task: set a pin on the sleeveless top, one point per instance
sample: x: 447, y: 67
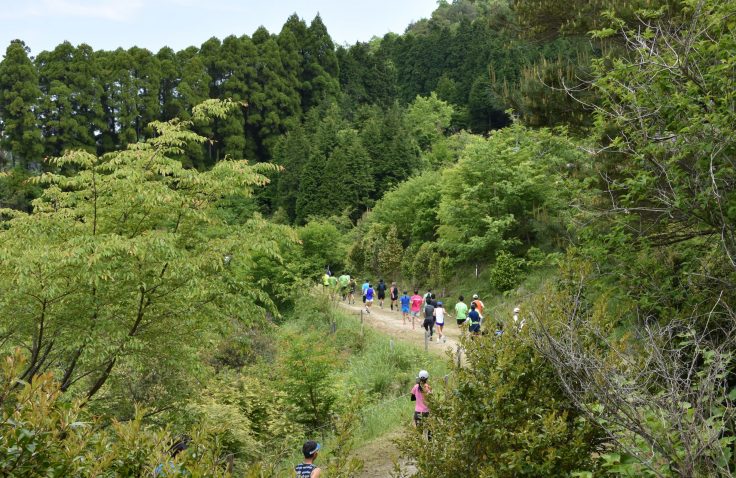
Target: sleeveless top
x: 304, y: 470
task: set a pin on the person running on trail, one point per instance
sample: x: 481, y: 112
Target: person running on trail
x: 364, y: 287
x: 479, y: 306
x: 418, y: 393
x: 381, y: 289
x: 428, y: 323
x: 307, y: 469
x: 344, y: 281
x: 439, y: 315
x: 405, y: 302
x: 326, y: 280
x: 461, y: 311
x: 352, y: 287
x: 416, y: 306
x: 333, y: 287
x: 428, y: 296
x: 393, y: 292
x: 474, y: 318
x: 369, y: 293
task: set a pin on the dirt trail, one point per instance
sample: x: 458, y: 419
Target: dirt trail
x: 390, y: 323
x: 380, y: 454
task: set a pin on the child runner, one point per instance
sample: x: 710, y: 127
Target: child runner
x: 474, y: 318
x: 381, y: 292
x: 428, y: 323
x: 439, y: 315
x: 420, y: 390
x: 461, y: 311
x: 405, y: 301
x: 369, y: 293
x: 308, y: 469
x: 416, y: 306
x: 394, y: 294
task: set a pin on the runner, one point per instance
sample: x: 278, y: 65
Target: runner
x: 381, y: 289
x: 428, y: 295
x: 333, y: 287
x: 405, y: 301
x: 479, y: 306
x: 416, y: 306
x: 439, y: 315
x: 394, y: 294
x: 461, y: 311
x: 474, y: 318
x: 307, y: 469
x: 352, y: 287
x: 364, y: 287
x: 344, y: 281
x: 422, y: 388
x: 326, y: 280
x: 428, y: 323
x: 369, y: 293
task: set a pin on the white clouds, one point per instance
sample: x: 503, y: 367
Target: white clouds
x: 112, y: 10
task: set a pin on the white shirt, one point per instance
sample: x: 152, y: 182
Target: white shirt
x: 439, y: 314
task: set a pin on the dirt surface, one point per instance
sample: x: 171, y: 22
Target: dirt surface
x: 380, y: 455
x: 390, y: 323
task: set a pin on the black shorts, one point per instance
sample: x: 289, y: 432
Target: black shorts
x: 419, y: 416
x: 460, y: 321
x: 381, y: 295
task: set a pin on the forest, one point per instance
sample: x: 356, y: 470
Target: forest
x: 166, y: 220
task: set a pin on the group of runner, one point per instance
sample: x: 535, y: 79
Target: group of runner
x: 426, y: 307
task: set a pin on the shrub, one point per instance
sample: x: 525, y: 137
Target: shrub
x: 506, y: 272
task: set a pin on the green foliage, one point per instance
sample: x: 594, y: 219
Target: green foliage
x: 16, y: 191
x: 502, y: 415
x: 323, y: 244
x: 19, y: 92
x: 428, y: 118
x: 390, y: 254
x: 129, y: 249
x: 494, y: 197
x: 46, y: 436
x: 506, y: 271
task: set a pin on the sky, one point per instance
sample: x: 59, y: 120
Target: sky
x: 152, y: 24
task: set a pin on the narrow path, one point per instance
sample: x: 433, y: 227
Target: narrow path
x: 390, y: 323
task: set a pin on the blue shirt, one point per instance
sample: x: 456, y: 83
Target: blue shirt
x: 405, y: 300
x: 474, y: 317
x: 369, y: 294
x: 365, y: 288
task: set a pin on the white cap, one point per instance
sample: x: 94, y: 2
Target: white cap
x: 475, y: 296
x: 423, y: 374
x: 516, y: 310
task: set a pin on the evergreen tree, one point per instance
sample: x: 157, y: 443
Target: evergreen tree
x: 320, y: 72
x: 347, y: 184
x: 292, y: 154
x: 71, y: 105
x: 19, y: 95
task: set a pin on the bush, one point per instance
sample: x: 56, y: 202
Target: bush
x: 506, y: 272
x: 502, y: 415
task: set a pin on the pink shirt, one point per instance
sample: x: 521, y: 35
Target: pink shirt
x: 421, y: 406
x: 416, y: 303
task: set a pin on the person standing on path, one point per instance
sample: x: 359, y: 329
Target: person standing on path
x: 428, y: 323
x: 307, y: 469
x: 418, y: 394
x: 405, y: 303
x: 369, y: 293
x: 381, y: 289
x: 394, y: 295
x: 439, y: 315
x: 474, y: 318
x: 461, y: 311
x: 416, y: 306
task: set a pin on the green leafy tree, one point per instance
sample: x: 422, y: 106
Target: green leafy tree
x: 121, y: 265
x: 428, y: 119
x: 390, y: 254
x: 19, y: 97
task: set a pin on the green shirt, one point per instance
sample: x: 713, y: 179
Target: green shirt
x: 461, y: 311
x: 332, y: 281
x: 344, y: 280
